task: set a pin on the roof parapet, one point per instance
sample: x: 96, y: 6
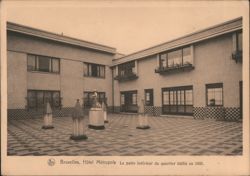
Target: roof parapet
x: 57, y: 37
x: 204, y: 34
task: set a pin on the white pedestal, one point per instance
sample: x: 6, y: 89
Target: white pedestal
x: 143, y: 122
x: 47, y: 121
x: 78, y: 130
x: 105, y: 117
x: 96, y: 119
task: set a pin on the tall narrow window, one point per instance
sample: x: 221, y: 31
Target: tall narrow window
x: 149, y: 97
x: 214, y: 94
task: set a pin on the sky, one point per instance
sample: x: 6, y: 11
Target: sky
x: 128, y: 26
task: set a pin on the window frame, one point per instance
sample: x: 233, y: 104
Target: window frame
x: 213, y: 86
x: 151, y: 97
x: 50, y: 69
x: 174, y: 92
x: 44, y: 92
x: 167, y: 57
x: 126, y: 68
x: 89, y: 71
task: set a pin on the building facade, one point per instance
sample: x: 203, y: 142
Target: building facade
x: 197, y: 75
x: 43, y: 66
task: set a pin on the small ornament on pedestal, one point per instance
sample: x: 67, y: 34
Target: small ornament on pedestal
x: 47, y: 119
x: 78, y: 124
x: 143, y: 118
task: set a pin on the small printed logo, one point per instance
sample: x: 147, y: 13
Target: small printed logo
x: 51, y: 162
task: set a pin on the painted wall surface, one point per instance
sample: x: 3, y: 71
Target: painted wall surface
x: 16, y: 80
x: 213, y: 64
x: 70, y: 81
x: 100, y: 84
x: 34, y: 45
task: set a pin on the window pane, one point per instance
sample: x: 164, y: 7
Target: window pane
x: 239, y: 41
x: 174, y: 58
x: 48, y: 97
x: 187, y: 56
x: 31, y: 99
x: 55, y: 65
x: 40, y: 103
x: 189, y: 97
x: 31, y: 63
x: 214, y: 96
x: 89, y: 70
x: 102, y: 70
x: 166, y: 98
x: 182, y: 97
x: 94, y: 70
x: 172, y: 97
x: 122, y: 99
x: 134, y: 96
x: 44, y: 63
x: 56, y: 99
x: 163, y: 60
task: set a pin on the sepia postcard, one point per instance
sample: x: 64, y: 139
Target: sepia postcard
x: 124, y: 87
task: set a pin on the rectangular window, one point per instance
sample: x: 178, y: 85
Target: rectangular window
x: 88, y: 98
x: 43, y: 63
x: 214, y: 94
x: 177, y: 100
x: 38, y: 99
x: 94, y: 70
x: 149, y: 97
x: 126, y: 68
x: 176, y: 58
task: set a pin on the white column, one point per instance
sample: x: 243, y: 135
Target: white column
x: 136, y: 67
x: 157, y: 60
x: 192, y: 54
x: 234, y: 42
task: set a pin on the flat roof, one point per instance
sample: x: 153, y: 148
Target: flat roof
x: 204, y: 34
x: 57, y: 37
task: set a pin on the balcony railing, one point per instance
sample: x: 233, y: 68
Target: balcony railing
x: 237, y: 56
x: 126, y: 77
x: 174, y: 68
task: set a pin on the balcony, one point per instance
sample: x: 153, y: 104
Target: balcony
x: 126, y: 77
x: 175, y: 68
x: 237, y: 56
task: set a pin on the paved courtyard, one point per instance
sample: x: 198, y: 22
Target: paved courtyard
x: 167, y: 136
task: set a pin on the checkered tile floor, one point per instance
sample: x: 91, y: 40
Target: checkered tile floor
x: 167, y: 136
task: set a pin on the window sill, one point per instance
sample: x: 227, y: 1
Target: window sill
x: 179, y: 68
x: 93, y: 77
x: 126, y: 77
x: 43, y: 72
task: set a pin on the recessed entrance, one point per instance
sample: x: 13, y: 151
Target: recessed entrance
x: 129, y: 101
